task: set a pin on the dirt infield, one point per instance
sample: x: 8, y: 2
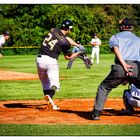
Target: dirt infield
x: 11, y: 75
x: 73, y: 111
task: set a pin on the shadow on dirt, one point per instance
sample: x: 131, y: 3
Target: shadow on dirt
x: 106, y: 112
x: 120, y: 113
x: 83, y: 114
x: 24, y: 105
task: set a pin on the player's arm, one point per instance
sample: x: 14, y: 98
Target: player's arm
x: 72, y: 55
x: 72, y: 42
x: 126, y: 67
x: 96, y: 43
x: 93, y: 43
x: 99, y: 42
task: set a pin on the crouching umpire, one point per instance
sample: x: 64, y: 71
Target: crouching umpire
x: 126, y: 46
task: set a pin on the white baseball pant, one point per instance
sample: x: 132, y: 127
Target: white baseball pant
x: 48, y: 71
x: 95, y: 51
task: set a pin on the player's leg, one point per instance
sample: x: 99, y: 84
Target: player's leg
x: 1, y: 55
x: 115, y: 78
x: 1, y: 52
x: 70, y: 63
x: 53, y: 76
x: 46, y: 86
x: 43, y: 64
x: 92, y: 55
x: 97, y: 55
x: 86, y: 60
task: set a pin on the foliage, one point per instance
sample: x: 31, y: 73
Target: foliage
x: 104, y: 49
x: 28, y: 23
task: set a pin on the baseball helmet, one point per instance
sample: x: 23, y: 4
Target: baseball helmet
x: 6, y: 33
x: 125, y: 24
x: 66, y: 25
x: 78, y: 42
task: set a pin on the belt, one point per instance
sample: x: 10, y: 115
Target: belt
x: 39, y: 55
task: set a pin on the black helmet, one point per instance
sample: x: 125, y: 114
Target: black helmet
x: 66, y: 25
x: 125, y: 24
x: 6, y: 33
x: 78, y: 42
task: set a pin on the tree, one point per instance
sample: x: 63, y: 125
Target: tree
x: 29, y: 23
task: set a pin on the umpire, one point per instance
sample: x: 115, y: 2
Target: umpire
x: 126, y: 46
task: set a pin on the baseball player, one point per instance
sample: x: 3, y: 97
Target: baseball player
x: 126, y: 46
x: 82, y: 56
x: 95, y: 42
x: 5, y: 36
x: 47, y: 60
x: 131, y: 99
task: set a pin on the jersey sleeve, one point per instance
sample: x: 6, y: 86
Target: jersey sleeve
x: 66, y: 51
x: 113, y: 42
x: 66, y: 48
x: 99, y: 41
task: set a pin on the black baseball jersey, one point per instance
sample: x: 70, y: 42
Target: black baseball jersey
x: 55, y: 43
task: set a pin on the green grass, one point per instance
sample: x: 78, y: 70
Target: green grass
x: 16, y: 90
x: 69, y: 130
x: 77, y: 82
x: 19, y: 63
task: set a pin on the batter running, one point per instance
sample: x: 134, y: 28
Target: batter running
x: 47, y: 60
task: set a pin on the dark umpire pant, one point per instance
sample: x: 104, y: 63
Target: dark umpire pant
x: 83, y: 57
x: 116, y: 77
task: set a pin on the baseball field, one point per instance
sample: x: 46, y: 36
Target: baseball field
x: 24, y: 112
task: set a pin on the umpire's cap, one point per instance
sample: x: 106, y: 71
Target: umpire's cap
x: 125, y: 24
x: 66, y: 25
x: 6, y: 33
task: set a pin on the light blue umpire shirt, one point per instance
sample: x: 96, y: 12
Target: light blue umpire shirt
x: 128, y: 44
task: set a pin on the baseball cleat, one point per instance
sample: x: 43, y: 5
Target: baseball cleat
x: 94, y: 117
x: 50, y: 103
x: 95, y: 114
x: 55, y: 107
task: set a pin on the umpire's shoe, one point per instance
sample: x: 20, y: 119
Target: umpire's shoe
x: 95, y: 114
